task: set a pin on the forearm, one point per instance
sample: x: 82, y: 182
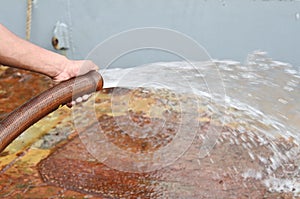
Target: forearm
x: 19, y: 53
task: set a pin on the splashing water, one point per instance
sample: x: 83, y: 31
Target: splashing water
x: 261, y: 108
x: 261, y: 87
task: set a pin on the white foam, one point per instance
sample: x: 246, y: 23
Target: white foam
x: 282, y: 185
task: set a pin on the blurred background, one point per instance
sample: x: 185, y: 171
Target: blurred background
x: 227, y: 29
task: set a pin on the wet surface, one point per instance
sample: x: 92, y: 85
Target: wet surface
x: 156, y: 137
x: 72, y: 167
x: 252, y: 156
x: 241, y: 164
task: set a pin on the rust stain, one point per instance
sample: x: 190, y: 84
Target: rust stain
x: 158, y: 133
x: 18, y: 86
x: 72, y: 167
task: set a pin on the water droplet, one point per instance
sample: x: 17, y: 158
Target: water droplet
x: 287, y: 88
x: 283, y: 101
x: 251, y: 155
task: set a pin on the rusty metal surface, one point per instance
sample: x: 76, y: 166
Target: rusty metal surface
x: 239, y: 166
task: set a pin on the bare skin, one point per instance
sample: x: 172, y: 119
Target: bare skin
x: 19, y: 53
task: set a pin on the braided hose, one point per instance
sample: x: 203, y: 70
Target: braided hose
x: 38, y: 107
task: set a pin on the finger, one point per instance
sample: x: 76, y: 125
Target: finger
x: 79, y: 100
x: 92, y: 65
x: 87, y: 67
x: 86, y: 97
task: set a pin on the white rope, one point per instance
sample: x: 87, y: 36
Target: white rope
x: 69, y: 18
x: 28, y: 19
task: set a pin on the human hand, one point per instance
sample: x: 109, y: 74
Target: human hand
x: 73, y: 68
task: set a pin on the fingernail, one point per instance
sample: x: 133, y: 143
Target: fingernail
x: 79, y: 99
x: 85, y: 97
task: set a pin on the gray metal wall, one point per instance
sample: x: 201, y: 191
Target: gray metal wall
x: 227, y: 29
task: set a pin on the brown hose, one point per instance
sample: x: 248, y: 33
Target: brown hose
x: 38, y: 107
